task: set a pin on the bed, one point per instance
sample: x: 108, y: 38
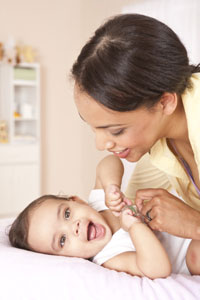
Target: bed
x: 27, y: 275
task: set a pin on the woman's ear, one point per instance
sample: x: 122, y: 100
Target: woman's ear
x: 168, y: 102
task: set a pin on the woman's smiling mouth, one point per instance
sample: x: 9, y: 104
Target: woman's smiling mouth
x: 122, y: 154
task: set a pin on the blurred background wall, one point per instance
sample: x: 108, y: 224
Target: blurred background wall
x: 57, y: 29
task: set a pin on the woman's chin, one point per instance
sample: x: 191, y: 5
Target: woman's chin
x: 134, y: 157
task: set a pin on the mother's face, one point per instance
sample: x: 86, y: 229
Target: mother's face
x: 129, y: 134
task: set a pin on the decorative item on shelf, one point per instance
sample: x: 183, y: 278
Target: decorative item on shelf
x: 28, y: 54
x: 9, y: 55
x: 19, y: 53
x: 3, y: 132
x: 25, y: 53
x: 15, y: 53
x: 16, y: 115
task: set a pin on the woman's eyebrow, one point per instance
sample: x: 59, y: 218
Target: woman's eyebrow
x: 104, y: 126
x: 109, y: 126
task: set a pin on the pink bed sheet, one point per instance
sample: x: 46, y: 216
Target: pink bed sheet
x: 25, y: 275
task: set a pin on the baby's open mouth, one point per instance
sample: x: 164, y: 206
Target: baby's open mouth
x: 94, y: 231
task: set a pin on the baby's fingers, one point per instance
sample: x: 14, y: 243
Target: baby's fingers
x: 113, y: 196
x: 127, y: 211
x: 127, y: 201
x: 117, y: 208
x: 114, y: 202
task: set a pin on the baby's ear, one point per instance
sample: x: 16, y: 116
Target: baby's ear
x: 77, y: 199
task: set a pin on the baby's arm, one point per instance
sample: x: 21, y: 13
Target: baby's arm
x: 149, y: 259
x: 109, y: 174
x: 109, y: 171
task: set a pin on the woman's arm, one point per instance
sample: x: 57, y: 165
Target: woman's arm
x: 150, y: 258
x: 168, y: 213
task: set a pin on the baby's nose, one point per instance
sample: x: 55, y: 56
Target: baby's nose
x: 76, y: 228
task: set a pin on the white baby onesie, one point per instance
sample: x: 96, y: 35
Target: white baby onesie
x: 120, y: 242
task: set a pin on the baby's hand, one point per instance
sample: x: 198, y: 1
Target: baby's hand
x: 127, y: 219
x: 115, y: 199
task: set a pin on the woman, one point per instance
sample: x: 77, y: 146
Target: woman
x: 136, y: 89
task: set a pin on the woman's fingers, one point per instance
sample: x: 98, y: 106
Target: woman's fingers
x: 150, y: 206
x: 168, y: 212
x: 143, y: 197
x: 149, y: 193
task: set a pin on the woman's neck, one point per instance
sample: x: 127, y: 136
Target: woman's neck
x: 177, y: 125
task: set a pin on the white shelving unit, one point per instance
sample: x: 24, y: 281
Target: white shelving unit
x: 20, y: 150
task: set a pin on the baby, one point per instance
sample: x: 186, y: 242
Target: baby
x: 69, y: 226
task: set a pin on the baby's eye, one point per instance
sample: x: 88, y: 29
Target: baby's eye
x: 67, y: 214
x: 62, y: 241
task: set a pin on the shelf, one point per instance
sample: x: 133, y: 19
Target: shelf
x: 20, y: 82
x: 24, y: 119
x: 20, y: 116
x: 20, y: 86
x: 24, y: 139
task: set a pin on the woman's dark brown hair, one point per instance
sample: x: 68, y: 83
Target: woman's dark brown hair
x: 18, y: 233
x: 131, y: 61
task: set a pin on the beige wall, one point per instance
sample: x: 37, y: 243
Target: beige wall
x: 57, y: 29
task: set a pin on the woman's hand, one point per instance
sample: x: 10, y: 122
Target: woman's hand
x: 115, y: 199
x: 168, y: 213
x: 127, y: 219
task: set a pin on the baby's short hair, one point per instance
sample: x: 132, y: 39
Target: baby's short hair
x: 18, y: 233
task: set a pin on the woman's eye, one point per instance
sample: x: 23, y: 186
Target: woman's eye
x: 118, y: 132
x: 62, y: 241
x: 67, y: 214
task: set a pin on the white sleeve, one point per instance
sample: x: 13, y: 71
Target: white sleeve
x: 119, y: 243
x: 97, y: 200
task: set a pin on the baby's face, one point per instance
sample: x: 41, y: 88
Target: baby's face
x: 68, y: 228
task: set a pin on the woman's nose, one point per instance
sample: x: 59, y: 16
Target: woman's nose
x: 103, y: 143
